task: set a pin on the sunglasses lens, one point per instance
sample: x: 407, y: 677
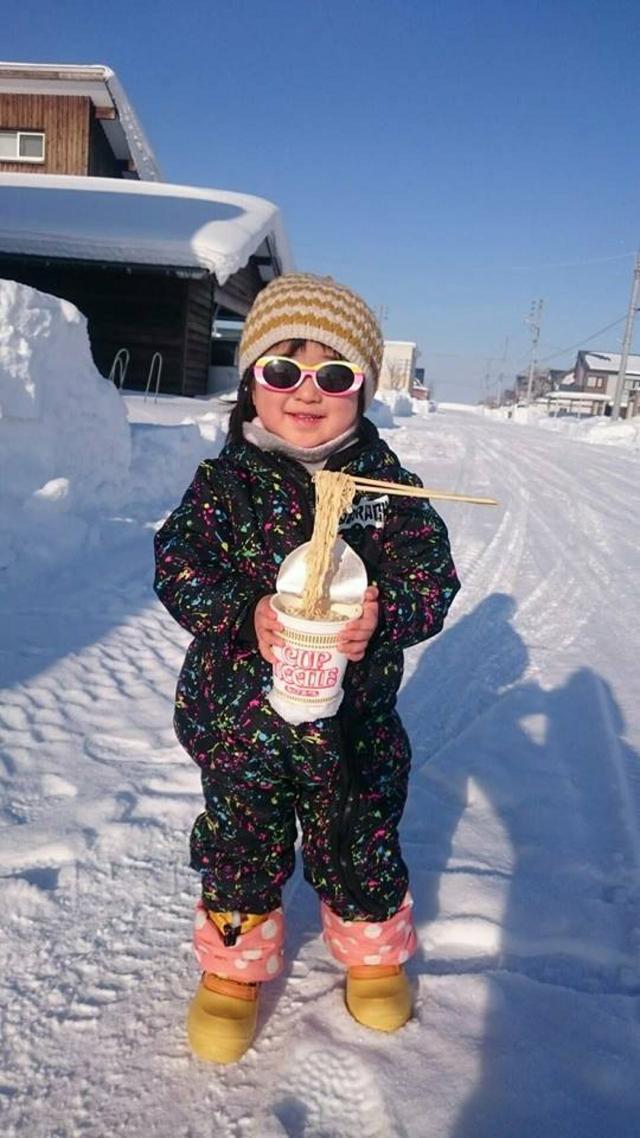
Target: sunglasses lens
x: 282, y: 374
x: 335, y: 378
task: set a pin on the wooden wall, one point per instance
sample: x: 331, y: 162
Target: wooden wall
x: 140, y: 310
x: 65, y: 121
x: 198, y: 319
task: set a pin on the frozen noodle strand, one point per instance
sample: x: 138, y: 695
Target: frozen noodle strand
x: 334, y: 495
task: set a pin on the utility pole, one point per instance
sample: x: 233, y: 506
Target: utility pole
x: 501, y: 376
x: 626, y: 341
x: 486, y: 380
x: 534, y: 320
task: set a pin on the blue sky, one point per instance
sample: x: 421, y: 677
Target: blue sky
x: 450, y: 160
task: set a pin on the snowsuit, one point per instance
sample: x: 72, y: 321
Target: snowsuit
x: 345, y: 777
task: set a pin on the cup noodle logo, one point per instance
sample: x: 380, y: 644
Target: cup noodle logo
x: 306, y: 672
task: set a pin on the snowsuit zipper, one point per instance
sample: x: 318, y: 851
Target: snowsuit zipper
x: 348, y: 799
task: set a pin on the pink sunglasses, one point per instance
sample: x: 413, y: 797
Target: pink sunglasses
x: 331, y: 377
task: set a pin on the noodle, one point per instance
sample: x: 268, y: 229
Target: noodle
x: 334, y: 494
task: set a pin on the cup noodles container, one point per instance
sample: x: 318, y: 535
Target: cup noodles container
x: 307, y: 678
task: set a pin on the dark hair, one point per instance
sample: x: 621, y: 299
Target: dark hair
x: 244, y: 410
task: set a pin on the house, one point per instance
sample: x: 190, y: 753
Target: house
x: 151, y: 265
x: 69, y: 119
x: 398, y: 365
x: 164, y: 273
x: 544, y: 380
x: 597, y: 372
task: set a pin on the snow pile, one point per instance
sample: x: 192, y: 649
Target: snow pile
x: 423, y: 407
x: 165, y: 458
x: 399, y: 403
x: 596, y: 429
x: 69, y: 458
x: 380, y: 413
x: 64, y: 439
x: 469, y: 408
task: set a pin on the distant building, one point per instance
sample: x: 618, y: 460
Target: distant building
x: 544, y: 380
x: 597, y: 372
x: 69, y: 119
x: 589, y: 389
x: 398, y: 365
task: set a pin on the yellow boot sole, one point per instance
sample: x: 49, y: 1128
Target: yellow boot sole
x: 379, y: 997
x: 221, y: 1023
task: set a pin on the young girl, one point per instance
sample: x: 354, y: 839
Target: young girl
x: 309, y: 359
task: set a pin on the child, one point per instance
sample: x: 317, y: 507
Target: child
x: 309, y: 359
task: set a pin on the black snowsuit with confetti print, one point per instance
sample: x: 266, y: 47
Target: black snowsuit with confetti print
x: 344, y: 777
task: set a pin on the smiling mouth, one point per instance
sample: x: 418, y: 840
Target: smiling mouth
x: 305, y: 416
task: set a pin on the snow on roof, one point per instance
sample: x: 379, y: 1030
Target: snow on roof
x: 575, y: 396
x: 610, y: 362
x: 121, y: 221
x: 96, y: 82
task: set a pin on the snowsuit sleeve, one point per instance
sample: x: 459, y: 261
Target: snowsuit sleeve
x: 416, y: 575
x: 195, y: 577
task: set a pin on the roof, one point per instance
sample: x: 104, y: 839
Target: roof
x: 98, y: 83
x: 610, y: 362
x: 120, y: 221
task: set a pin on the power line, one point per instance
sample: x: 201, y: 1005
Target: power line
x: 572, y: 347
x: 573, y: 264
x: 584, y: 340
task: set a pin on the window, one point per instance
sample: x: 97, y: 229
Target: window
x: 21, y: 146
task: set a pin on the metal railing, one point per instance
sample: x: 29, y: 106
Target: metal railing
x: 119, y: 367
x: 156, y: 362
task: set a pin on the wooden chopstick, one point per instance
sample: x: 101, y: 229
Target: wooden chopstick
x: 418, y: 491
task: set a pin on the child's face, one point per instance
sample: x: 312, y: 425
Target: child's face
x: 305, y: 417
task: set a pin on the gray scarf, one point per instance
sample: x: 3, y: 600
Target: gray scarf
x: 312, y: 458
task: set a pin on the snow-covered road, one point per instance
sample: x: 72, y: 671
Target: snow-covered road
x: 522, y: 834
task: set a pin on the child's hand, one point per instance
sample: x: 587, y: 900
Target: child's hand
x: 357, y: 634
x: 267, y: 627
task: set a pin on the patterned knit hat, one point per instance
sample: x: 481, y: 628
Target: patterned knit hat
x: 306, y: 307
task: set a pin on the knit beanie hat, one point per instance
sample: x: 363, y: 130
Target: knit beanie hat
x: 306, y: 307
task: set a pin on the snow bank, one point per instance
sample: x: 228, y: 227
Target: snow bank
x: 165, y: 459
x: 399, y: 403
x: 597, y: 429
x: 64, y: 438
x: 469, y: 408
x: 389, y: 405
x: 58, y: 417
x: 69, y: 459
x: 380, y: 413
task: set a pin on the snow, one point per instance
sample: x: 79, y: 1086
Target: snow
x: 522, y: 831
x: 144, y: 159
x: 68, y: 454
x: 399, y: 403
x: 595, y: 429
x: 610, y: 361
x: 146, y: 223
